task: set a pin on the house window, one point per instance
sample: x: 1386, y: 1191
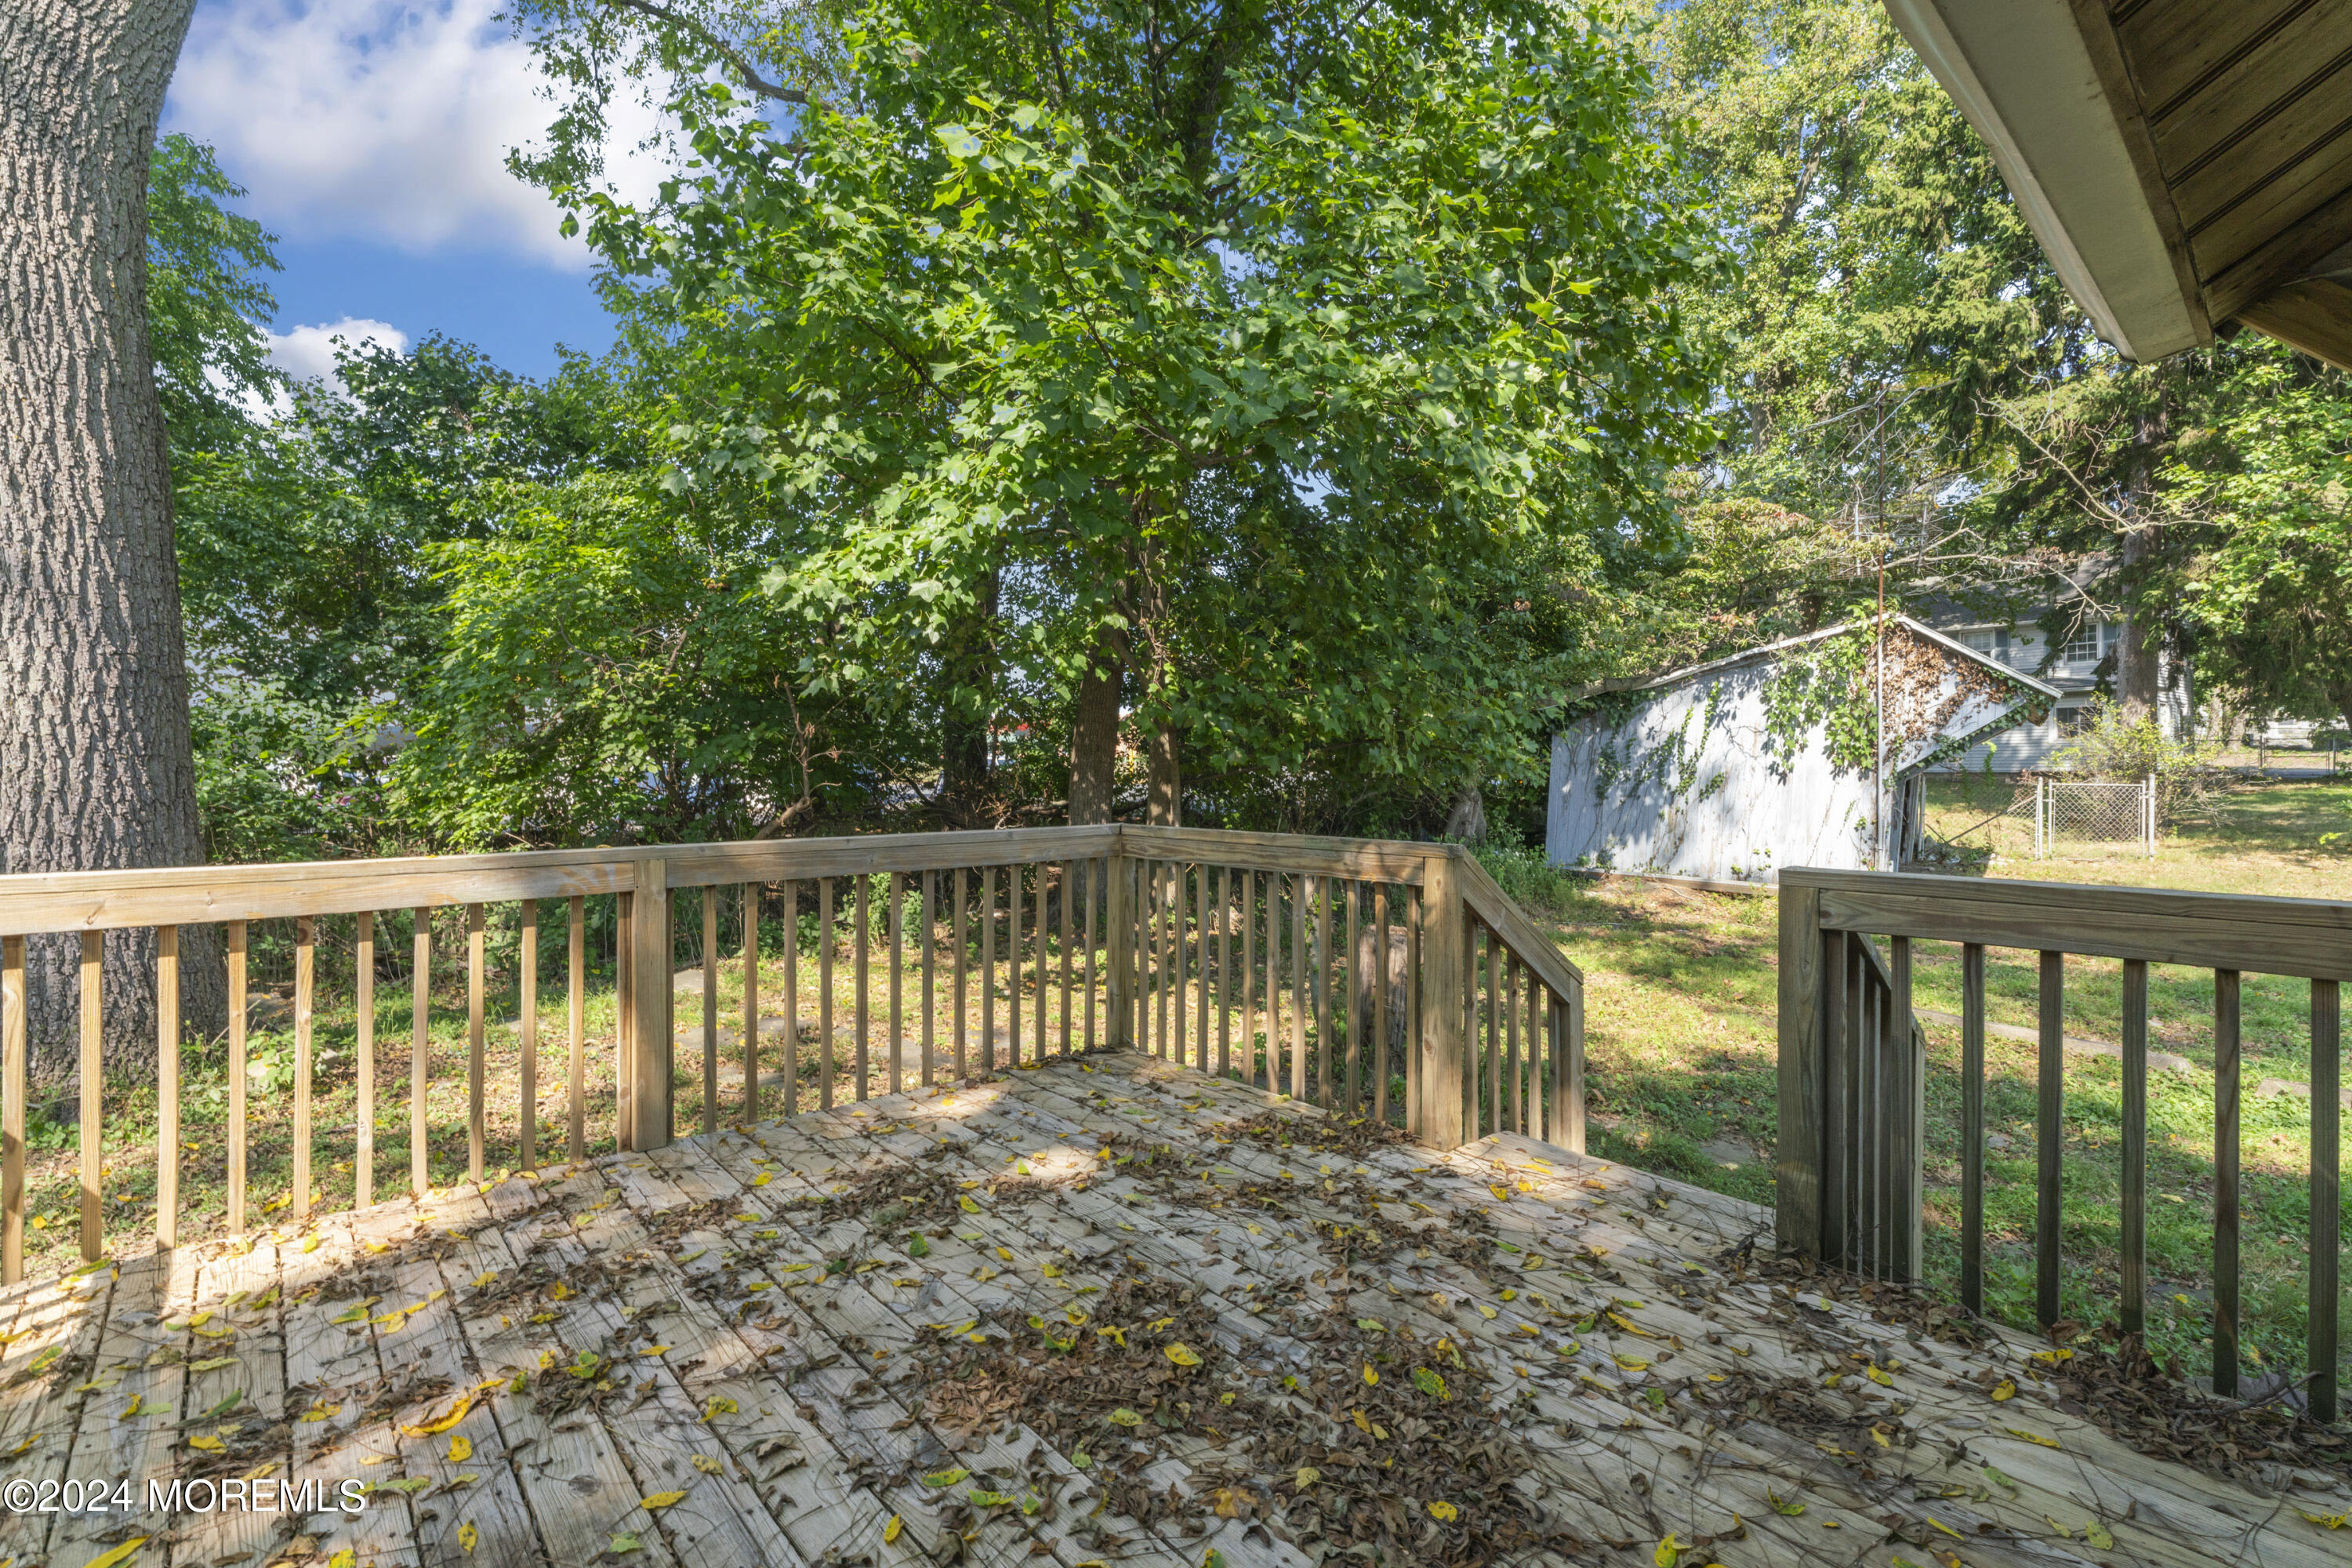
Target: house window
x: 1993, y: 644
x: 2074, y: 721
x: 2083, y: 648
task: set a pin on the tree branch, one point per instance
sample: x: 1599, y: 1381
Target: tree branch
x: 723, y: 50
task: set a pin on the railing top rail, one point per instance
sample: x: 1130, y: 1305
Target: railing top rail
x: 190, y: 895
x: 1491, y: 904
x: 2309, y: 937
x: 186, y: 895
x: 1366, y: 859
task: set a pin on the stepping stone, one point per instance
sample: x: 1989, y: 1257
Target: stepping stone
x: 2271, y: 1088
x: 2078, y: 1045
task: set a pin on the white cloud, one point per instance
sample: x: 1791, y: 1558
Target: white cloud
x: 308, y: 353
x: 382, y: 120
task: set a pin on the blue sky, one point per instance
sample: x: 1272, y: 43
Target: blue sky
x: 371, y: 136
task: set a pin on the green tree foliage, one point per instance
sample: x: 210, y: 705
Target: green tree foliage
x: 209, y: 303
x: 2262, y: 569
x: 1289, y: 359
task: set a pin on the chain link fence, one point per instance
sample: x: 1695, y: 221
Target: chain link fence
x: 2046, y: 816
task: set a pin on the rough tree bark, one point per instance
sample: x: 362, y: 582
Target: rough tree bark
x: 968, y: 667
x: 1163, y: 799
x: 1093, y: 731
x: 96, y: 769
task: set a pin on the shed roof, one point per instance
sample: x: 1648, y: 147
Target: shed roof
x: 2186, y: 163
x: 1768, y: 650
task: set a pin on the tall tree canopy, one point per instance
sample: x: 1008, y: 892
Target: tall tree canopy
x: 1252, y: 366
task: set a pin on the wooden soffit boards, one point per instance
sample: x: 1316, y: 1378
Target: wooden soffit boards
x: 2085, y: 178
x: 2234, y: 120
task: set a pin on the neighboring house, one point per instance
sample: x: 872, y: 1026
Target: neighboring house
x: 2083, y: 662
x: 1731, y: 770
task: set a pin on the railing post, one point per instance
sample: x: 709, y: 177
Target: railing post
x: 649, y: 998
x: 1119, y: 995
x: 1799, y: 1220
x: 1445, y: 1003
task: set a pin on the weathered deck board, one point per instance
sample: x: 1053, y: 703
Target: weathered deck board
x: 762, y: 1352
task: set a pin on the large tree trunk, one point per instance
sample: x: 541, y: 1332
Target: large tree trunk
x: 1163, y: 799
x: 96, y: 770
x: 967, y: 708
x: 1094, y: 734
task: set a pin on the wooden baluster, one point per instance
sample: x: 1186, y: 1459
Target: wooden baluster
x: 1156, y: 919
x: 477, y: 964
x: 929, y: 1043
x: 1201, y: 1030
x: 624, y: 1015
x: 2225, y: 1181
x: 93, y: 1083
x: 1352, y: 985
x: 1869, y: 1165
x: 963, y: 941
x: 1911, y: 1111
x: 825, y: 993
x: 2134, y: 1262
x: 167, y: 1086
x: 988, y: 969
x: 749, y: 897
x: 576, y: 994
x: 1088, y: 899
x: 1037, y: 940
x: 12, y: 1110
x: 1319, y: 967
x: 2051, y: 1134
x: 1225, y: 974
x: 1836, y: 1097
x: 1013, y: 966
x: 1069, y: 890
x: 864, y: 921
x: 709, y: 893
x: 897, y: 989
x: 1496, y: 1008
x: 1530, y: 1086
x: 527, y: 1016
x: 1972, y: 1127
x: 1382, y: 1012
x: 792, y: 899
x: 306, y: 997
x: 1256, y: 1048
x: 1413, y: 1020
x: 363, y: 1117
x: 1300, y: 985
x: 2327, y: 1193
x: 1574, y: 1046
x: 1509, y: 999
x: 236, y: 1011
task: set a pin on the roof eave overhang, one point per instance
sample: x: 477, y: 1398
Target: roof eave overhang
x: 2024, y: 75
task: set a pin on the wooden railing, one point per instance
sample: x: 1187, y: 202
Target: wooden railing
x: 1326, y: 968
x: 1851, y: 1075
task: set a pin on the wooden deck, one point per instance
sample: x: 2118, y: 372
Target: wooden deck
x: 1137, y: 1328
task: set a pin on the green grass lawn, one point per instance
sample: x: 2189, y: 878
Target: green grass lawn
x: 1680, y: 1018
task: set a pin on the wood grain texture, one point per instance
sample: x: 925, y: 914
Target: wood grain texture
x: 476, y: 1067
x: 526, y: 967
x: 364, y: 1111
x: 2133, y: 1249
x: 420, y: 1004
x: 12, y: 1108
x: 306, y: 1001
x: 2049, y: 1137
x: 2326, y: 1194
x: 167, y: 1086
x: 1800, y: 1149
x: 1444, y: 1005
x: 2226, y: 1088
x: 2308, y: 937
x: 1973, y: 1125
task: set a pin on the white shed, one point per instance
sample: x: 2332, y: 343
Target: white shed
x: 1731, y: 770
